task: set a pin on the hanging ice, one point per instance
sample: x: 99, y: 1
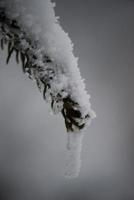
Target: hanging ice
x: 73, y: 157
x: 31, y: 29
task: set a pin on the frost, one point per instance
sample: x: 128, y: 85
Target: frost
x: 73, y: 158
x: 31, y: 29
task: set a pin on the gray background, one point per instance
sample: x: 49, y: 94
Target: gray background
x: 33, y: 142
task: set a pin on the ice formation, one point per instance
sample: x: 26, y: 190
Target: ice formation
x: 73, y: 157
x: 31, y: 29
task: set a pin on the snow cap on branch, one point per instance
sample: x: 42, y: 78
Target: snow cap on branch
x: 31, y: 29
x: 50, y: 59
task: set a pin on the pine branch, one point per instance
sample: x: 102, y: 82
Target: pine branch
x: 42, y: 70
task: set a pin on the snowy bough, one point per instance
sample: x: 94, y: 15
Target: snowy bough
x: 31, y: 30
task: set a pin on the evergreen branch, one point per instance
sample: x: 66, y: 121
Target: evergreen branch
x: 42, y: 70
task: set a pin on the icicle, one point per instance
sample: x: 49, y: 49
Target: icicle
x: 73, y: 157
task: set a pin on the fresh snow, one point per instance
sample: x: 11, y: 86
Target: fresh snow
x: 37, y: 18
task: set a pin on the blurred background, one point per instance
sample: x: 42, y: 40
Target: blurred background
x: 33, y: 142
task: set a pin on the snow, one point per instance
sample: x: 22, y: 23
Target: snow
x: 37, y: 19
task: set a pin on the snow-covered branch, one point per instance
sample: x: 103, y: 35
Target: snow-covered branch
x: 31, y: 29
